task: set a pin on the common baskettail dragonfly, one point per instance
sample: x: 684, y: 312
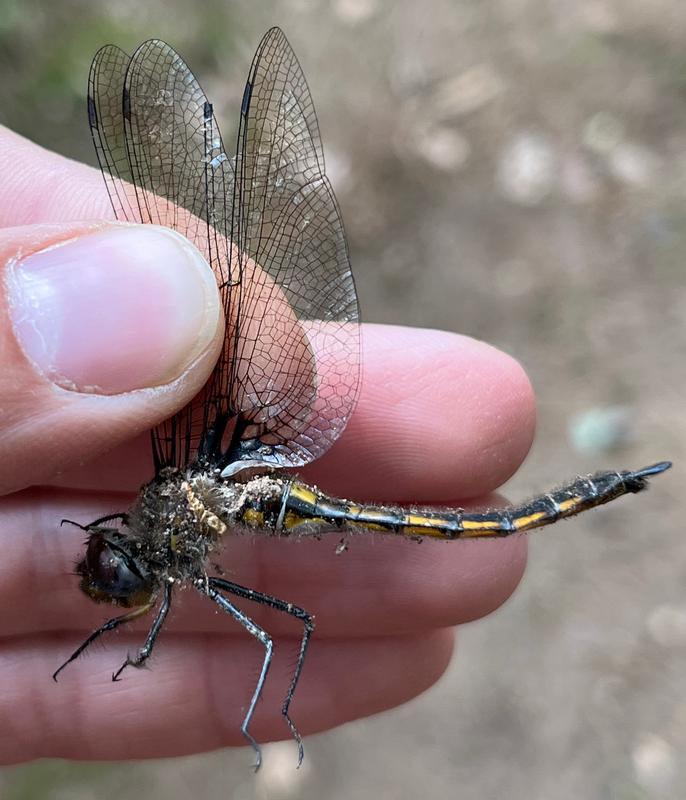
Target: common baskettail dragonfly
x: 287, y: 379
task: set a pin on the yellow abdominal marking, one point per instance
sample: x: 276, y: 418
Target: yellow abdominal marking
x: 353, y: 512
x: 205, y: 517
x: 369, y: 513
x: 415, y: 519
x: 413, y: 530
x: 301, y: 492
x: 371, y: 526
x: 253, y: 518
x: 531, y: 519
x: 292, y: 520
x: 417, y: 525
x: 484, y: 525
x: 566, y: 505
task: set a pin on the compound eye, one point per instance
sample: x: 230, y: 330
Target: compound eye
x: 108, y: 572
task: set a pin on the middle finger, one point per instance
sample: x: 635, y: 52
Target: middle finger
x: 380, y: 586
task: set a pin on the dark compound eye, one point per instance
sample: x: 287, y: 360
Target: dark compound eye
x: 109, y: 573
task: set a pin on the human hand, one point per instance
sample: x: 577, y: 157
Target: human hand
x: 440, y: 418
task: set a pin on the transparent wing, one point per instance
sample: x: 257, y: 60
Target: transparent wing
x: 157, y: 141
x: 296, y: 360
x: 268, y: 222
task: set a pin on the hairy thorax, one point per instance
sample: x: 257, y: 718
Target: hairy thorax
x: 180, y: 517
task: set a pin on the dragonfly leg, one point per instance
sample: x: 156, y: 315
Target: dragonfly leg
x: 263, y: 637
x: 308, y: 630
x: 110, y: 625
x: 145, y: 651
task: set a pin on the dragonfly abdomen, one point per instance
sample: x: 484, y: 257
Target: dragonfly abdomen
x: 307, y: 510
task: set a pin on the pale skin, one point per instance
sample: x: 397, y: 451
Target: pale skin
x: 384, y: 610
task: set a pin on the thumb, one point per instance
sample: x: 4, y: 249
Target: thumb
x: 105, y: 330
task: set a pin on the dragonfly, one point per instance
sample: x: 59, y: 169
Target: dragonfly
x: 267, y: 221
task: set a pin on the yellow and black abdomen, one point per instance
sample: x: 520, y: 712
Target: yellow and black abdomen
x: 306, y: 510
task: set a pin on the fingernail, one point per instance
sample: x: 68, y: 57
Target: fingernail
x: 115, y: 310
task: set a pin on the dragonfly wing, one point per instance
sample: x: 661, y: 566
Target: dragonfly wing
x: 268, y: 223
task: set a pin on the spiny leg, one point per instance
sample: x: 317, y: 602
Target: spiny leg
x: 123, y: 517
x: 145, y: 651
x: 110, y: 625
x: 294, y: 611
x: 263, y: 637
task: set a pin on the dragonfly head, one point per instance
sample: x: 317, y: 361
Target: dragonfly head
x: 111, y: 570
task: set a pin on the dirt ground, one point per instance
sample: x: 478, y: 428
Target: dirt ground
x: 514, y: 170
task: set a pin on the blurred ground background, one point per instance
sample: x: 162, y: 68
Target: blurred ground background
x: 514, y: 170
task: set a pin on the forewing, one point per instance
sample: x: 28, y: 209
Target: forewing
x: 296, y: 363
x: 164, y: 163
